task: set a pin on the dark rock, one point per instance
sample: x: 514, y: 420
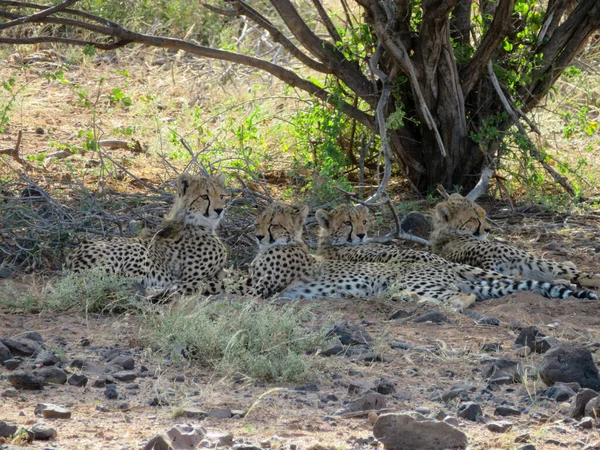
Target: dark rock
x: 581, y: 399
x: 527, y: 447
x: 78, y: 380
x: 417, y: 224
x: 52, y: 375
x: 125, y: 375
x: 491, y: 321
x: 586, y: 423
x: 126, y: 362
x: 500, y: 426
x: 10, y: 393
x: 43, y: 432
x: 50, y: 411
x: 399, y: 345
x: 351, y: 334
x: 385, y: 386
x: 528, y: 336
x: 221, y: 413
x: 308, y: 387
x: 46, y: 358
x: 370, y: 357
x: 522, y: 438
x: 544, y: 344
x: 431, y: 316
x: 25, y: 380
x: 111, y: 392
x: 100, y: 382
x: 77, y: 363
x: 569, y: 363
x: 449, y: 396
x: 506, y: 411
x: 157, y: 442
x: 492, y: 347
x: 102, y: 408
x: 470, y: 411
x: 592, y: 408
x: 7, y: 429
x: 179, y: 378
x: 560, y: 392
x: 194, y: 413
x: 502, y: 371
x: 333, y: 349
x: 399, y: 314
x: 356, y: 387
x: 184, y: 436
x: 4, y: 353
x: 33, y: 336
x: 22, y: 346
x: 12, y: 364
x: 408, y: 432
x: 368, y: 402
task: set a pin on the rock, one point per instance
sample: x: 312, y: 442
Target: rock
x: 523, y: 352
x: 111, y: 392
x: 12, y: 364
x: 385, y: 386
x: 102, y: 408
x: 569, y: 363
x: 351, y: 334
x: 356, y: 387
x: 77, y: 363
x: 560, y: 392
x: 592, y: 408
x: 470, y: 411
x: 528, y: 336
x: 405, y: 432
x: 33, y: 336
x: 125, y: 375
x: 185, y: 436
x: 581, y: 399
x: 399, y: 345
x: 52, y: 375
x: 4, y: 353
x: 502, y: 371
x: 46, y: 358
x: 451, y: 421
x: 399, y: 314
x: 333, y: 349
x: 545, y: 344
x: 501, y: 426
x: 43, y: 432
x: 221, y: 439
x: 7, y: 429
x: 78, y: 380
x: 491, y: 321
x: 506, y: 411
x: 446, y: 397
x: 50, y: 411
x: 220, y: 413
x: 423, y: 410
x: 246, y: 447
x: 368, y: 402
x: 491, y: 347
x: 157, y: 442
x: 22, y: 346
x: 25, y: 380
x: 124, y: 361
x: 10, y: 393
x: 522, y: 438
x: 194, y: 413
x: 417, y: 224
x: 586, y: 423
x: 527, y: 447
x: 433, y: 316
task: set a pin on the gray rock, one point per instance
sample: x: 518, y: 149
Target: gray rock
x: 417, y: 224
x: 351, y: 334
x: 33, y: 336
x: 368, y: 402
x: 22, y: 346
x: 220, y: 413
x: 78, y: 380
x: 491, y: 321
x: 12, y: 364
x: 194, y: 413
x: 111, y: 392
x: 185, y: 436
x: 52, y: 375
x: 221, y: 439
x: 582, y: 398
x: 46, y: 358
x: 43, y: 432
x: 491, y: 347
x: 158, y: 442
x: 501, y: 426
x: 405, y: 432
x: 470, y: 411
x: 333, y: 349
x: 502, y: 371
x: 592, y: 408
x: 4, y: 353
x: 560, y: 392
x: 400, y: 345
x: 125, y: 375
x: 528, y: 337
x: 506, y: 411
x: 385, y: 386
x: 586, y: 423
x: 527, y: 447
x: 124, y: 361
x: 431, y: 316
x: 51, y: 411
x: 10, y: 393
x: 25, y: 380
x: 569, y: 363
x: 7, y: 429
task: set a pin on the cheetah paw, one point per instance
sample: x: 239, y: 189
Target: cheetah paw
x: 589, y: 280
x: 462, y: 302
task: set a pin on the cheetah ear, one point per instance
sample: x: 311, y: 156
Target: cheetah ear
x: 322, y: 217
x: 304, y: 213
x: 220, y: 179
x: 362, y: 209
x: 183, y: 183
x: 443, y: 212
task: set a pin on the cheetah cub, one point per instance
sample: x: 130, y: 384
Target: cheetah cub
x: 459, y: 235
x: 184, y: 255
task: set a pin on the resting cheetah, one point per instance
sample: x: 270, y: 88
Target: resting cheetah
x: 182, y: 255
x: 460, y: 230
x: 284, y: 265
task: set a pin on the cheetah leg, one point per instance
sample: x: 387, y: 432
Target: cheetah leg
x: 461, y: 301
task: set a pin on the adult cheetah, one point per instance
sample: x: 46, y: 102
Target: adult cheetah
x: 183, y: 255
x: 459, y: 235
x: 284, y: 265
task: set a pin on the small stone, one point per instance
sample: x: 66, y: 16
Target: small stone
x: 10, y: 393
x: 522, y: 438
x: 333, y: 350
x: 39, y: 130
x: 372, y: 417
x: 4, y: 353
x: 220, y: 413
x: 43, y: 432
x: 46, y: 358
x: 194, y: 413
x: 523, y: 352
x: 451, y: 421
x: 385, y: 386
x: 569, y: 363
x: 22, y: 346
x: 506, y: 411
x: 24, y: 380
x: 581, y: 400
x: 50, y: 411
x: 7, y: 429
x: 124, y: 361
x: 433, y: 316
x: 12, y: 364
x: 592, y: 408
x: 102, y: 408
x: 132, y: 386
x: 399, y: 314
x: 78, y: 380
x: 528, y: 336
x: 125, y: 375
x: 350, y: 334
x: 222, y: 439
x: 527, y: 447
x: 500, y: 426
x: 502, y: 371
x: 99, y: 382
x: 490, y: 321
x: 184, y: 436
x: 111, y: 393
x: 157, y: 442
x: 400, y: 345
x: 179, y: 378
x: 423, y: 410
x: 77, y: 363
x: 403, y: 431
x: 586, y: 423
x: 52, y: 375
x: 492, y: 347
x: 560, y: 392
x: 368, y: 402
x: 470, y: 411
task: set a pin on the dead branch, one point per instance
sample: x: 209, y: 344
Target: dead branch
x: 532, y: 148
x: 443, y: 191
x: 482, y: 185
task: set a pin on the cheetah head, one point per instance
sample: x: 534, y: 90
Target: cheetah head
x: 344, y: 225
x: 459, y: 215
x: 280, y: 224
x: 200, y: 200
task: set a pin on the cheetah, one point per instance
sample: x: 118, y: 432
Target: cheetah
x: 285, y: 266
x: 459, y: 235
x: 183, y: 256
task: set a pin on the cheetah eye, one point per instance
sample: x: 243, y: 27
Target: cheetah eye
x: 205, y: 197
x: 364, y: 222
x: 222, y: 197
x: 348, y: 223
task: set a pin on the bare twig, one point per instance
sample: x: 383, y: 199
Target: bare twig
x: 442, y: 191
x: 482, y: 185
